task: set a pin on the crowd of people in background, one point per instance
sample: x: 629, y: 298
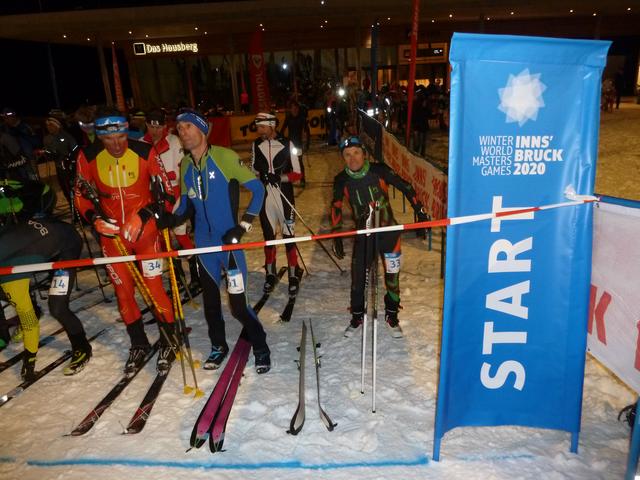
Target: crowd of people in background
x: 131, y: 176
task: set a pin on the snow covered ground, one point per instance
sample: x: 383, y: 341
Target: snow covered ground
x: 394, y: 442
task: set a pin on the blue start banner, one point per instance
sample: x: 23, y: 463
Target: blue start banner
x: 524, y: 130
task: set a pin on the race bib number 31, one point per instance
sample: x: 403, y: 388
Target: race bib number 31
x: 392, y: 262
x: 59, y: 283
x: 151, y: 268
x: 235, y: 282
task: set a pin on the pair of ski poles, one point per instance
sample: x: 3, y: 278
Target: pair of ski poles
x: 179, y: 342
x: 293, y: 209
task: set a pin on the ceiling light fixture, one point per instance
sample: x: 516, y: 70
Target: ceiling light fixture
x: 64, y: 35
x: 451, y: 15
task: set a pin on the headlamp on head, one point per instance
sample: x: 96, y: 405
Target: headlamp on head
x: 351, y: 142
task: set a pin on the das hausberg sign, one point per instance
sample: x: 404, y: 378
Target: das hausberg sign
x: 141, y: 48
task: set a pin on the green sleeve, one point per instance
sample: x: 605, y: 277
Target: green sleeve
x: 229, y: 163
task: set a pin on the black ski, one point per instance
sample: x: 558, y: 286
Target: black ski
x: 41, y: 373
x: 297, y: 421
x: 285, y: 316
x: 92, y: 418
x: 316, y: 359
x: 139, y: 419
x: 18, y: 356
x: 265, y: 296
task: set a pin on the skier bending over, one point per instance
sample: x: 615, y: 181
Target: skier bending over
x: 37, y: 241
x: 365, y: 184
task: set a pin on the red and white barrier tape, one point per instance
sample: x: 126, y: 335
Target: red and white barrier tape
x: 444, y: 222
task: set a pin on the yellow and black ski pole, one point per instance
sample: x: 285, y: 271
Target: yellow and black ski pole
x: 180, y: 318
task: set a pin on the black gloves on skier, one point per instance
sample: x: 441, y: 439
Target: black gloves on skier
x: 233, y: 235
x: 338, y: 248
x: 421, y: 216
x: 270, y: 178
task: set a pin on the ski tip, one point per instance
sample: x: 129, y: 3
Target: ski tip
x: 188, y: 450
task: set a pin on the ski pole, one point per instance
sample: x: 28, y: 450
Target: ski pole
x: 177, y: 312
x: 374, y: 329
x: 366, y: 301
x: 181, y: 323
x: 293, y: 209
x: 304, y: 265
x: 76, y: 217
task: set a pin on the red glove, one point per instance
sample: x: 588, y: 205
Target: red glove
x: 106, y: 227
x: 132, y: 228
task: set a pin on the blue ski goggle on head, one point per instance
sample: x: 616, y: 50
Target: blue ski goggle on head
x: 107, y: 125
x: 351, y: 142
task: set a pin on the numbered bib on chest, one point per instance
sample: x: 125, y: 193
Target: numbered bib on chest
x: 235, y: 282
x: 152, y: 268
x: 392, y: 262
x: 59, y: 283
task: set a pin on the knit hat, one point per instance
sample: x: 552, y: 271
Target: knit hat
x: 191, y: 116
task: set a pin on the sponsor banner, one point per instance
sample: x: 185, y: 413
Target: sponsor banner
x: 244, y: 130
x: 524, y: 131
x: 614, y: 308
x: 370, y: 132
x: 258, y: 75
x: 429, y: 183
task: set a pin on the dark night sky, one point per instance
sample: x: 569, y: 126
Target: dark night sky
x: 26, y: 86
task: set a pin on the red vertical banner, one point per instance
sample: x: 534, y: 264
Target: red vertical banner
x: 258, y: 74
x: 412, y: 66
x: 116, y: 81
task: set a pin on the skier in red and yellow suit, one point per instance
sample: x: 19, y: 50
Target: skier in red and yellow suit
x: 119, y: 183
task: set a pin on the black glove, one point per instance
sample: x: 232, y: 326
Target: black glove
x: 272, y: 178
x: 338, y: 248
x: 421, y: 216
x: 233, y: 235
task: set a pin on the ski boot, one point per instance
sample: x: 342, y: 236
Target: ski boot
x: 262, y: 361
x: 137, y: 354
x: 391, y: 317
x: 216, y: 357
x: 28, y: 372
x: 166, y: 355
x: 356, y: 320
x: 79, y: 360
x: 271, y: 278
x: 295, y: 275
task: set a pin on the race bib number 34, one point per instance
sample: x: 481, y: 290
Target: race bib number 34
x: 151, y: 268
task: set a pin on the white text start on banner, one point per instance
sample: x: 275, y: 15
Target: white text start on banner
x: 505, y: 257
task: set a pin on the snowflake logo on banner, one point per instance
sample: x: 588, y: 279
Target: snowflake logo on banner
x: 522, y: 97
